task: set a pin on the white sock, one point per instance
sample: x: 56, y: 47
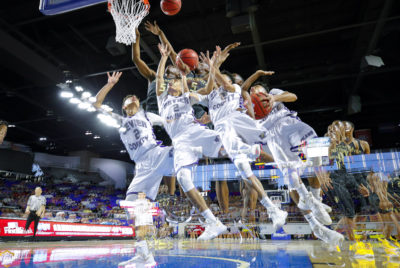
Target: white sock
x: 316, y: 192
x: 311, y: 220
x: 267, y: 203
x: 302, y: 191
x: 207, y: 214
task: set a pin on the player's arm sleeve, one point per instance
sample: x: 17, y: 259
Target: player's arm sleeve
x: 276, y: 91
x: 155, y: 119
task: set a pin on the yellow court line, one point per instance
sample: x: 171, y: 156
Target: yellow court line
x: 242, y: 264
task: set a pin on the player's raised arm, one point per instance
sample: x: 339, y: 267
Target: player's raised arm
x: 155, y: 29
x: 112, y: 80
x: 223, y: 81
x: 142, y: 67
x: 249, y: 81
x: 283, y: 96
x: 211, y: 75
x: 164, y: 50
x: 225, y: 53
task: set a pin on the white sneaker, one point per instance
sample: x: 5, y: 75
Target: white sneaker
x: 138, y: 259
x: 328, y: 236
x: 318, y: 210
x: 278, y: 217
x: 213, y: 229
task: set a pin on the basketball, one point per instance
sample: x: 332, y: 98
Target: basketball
x: 170, y: 7
x: 260, y: 102
x: 189, y: 57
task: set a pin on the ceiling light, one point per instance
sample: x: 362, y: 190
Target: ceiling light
x: 83, y: 105
x: 123, y: 151
x: 92, y: 99
x: 86, y: 95
x: 96, y: 137
x: 91, y: 109
x: 88, y: 133
x: 42, y: 139
x: 11, y: 126
x: 75, y: 100
x: 68, y: 81
x: 106, y: 108
x: 79, y: 88
x: 66, y: 94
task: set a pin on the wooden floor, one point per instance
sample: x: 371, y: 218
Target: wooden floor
x: 190, y: 253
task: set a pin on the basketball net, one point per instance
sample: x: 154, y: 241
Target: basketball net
x: 127, y: 15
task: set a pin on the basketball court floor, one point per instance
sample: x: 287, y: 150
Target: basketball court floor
x: 190, y: 253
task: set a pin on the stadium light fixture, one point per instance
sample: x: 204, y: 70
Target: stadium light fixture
x: 66, y: 94
x: 86, y: 95
x: 75, y: 100
x: 79, y: 88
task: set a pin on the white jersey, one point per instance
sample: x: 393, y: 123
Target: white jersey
x: 222, y: 103
x: 142, y: 210
x: 279, y: 110
x: 138, y: 137
x: 177, y: 112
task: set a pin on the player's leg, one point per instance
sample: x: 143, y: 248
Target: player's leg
x: 222, y: 190
x: 170, y: 181
x: 242, y: 164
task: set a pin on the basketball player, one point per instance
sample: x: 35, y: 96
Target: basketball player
x: 3, y: 130
x: 140, y: 211
x: 151, y: 100
x: 286, y: 131
x: 152, y: 161
x: 237, y: 131
x: 35, y: 209
x: 190, y: 140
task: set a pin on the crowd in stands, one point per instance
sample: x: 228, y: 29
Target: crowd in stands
x: 68, y: 202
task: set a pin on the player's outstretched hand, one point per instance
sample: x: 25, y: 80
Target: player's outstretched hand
x: 183, y: 67
x: 271, y: 100
x: 114, y: 78
x: 231, y: 46
x: 363, y: 190
x: 153, y: 28
x: 262, y: 73
x: 164, y: 50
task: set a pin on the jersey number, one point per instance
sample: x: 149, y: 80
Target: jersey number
x: 137, y: 134
x: 176, y: 108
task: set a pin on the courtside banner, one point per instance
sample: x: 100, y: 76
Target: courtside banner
x: 15, y: 227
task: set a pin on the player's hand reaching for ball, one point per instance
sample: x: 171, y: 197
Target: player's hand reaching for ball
x: 153, y: 28
x: 183, y: 67
x: 271, y: 100
x: 363, y: 190
x: 164, y: 50
x: 263, y: 73
x: 114, y: 78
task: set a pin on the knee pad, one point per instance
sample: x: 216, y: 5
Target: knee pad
x: 244, y: 169
x: 184, y: 177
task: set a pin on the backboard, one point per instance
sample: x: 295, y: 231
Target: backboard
x: 54, y: 7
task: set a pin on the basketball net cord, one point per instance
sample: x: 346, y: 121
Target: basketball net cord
x: 127, y: 15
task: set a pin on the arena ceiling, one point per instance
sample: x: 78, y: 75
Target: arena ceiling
x: 315, y: 47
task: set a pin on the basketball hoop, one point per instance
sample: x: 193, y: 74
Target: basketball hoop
x: 127, y: 15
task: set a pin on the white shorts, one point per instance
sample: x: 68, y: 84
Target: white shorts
x: 285, y: 134
x: 239, y: 132
x: 195, y: 135
x: 149, y: 171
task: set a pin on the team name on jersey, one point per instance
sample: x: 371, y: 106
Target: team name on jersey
x: 139, y: 143
x: 134, y: 123
x: 184, y: 100
x: 225, y: 97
